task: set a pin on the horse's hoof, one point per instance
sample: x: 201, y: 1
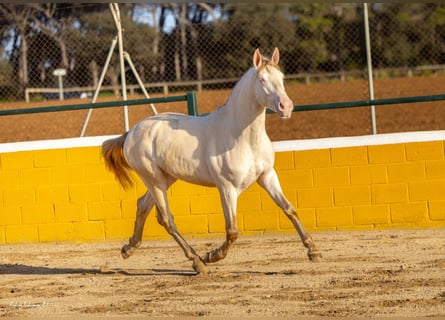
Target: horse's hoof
x: 315, y: 256
x: 199, y: 266
x: 127, y: 251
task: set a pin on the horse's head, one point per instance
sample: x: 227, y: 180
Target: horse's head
x: 269, y: 87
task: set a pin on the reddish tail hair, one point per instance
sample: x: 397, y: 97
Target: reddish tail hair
x: 115, y: 161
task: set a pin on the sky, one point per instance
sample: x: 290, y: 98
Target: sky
x: 142, y: 15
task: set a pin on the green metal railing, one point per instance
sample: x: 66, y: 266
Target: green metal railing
x: 368, y: 103
x: 192, y: 107
x: 190, y: 97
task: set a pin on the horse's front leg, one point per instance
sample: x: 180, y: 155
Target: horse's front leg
x: 269, y: 181
x: 229, y: 201
x: 144, y: 206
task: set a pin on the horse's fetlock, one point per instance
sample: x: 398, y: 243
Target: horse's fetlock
x: 314, y: 255
x: 308, y: 242
x: 214, y: 256
x: 199, y: 265
x: 134, y: 243
x: 232, y: 236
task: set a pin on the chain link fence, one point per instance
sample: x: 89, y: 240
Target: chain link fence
x: 181, y: 47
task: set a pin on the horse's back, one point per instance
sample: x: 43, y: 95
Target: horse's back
x: 171, y: 142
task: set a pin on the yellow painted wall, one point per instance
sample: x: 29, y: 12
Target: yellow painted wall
x: 67, y: 195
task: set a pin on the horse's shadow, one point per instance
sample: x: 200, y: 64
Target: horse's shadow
x: 22, y: 269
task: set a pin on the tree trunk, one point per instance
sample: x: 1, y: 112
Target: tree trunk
x: 42, y: 71
x: 177, y: 66
x: 63, y: 52
x: 94, y: 73
x: 199, y: 67
x: 162, y: 67
x: 195, y: 34
x: 177, y: 59
x: 155, y: 67
x: 113, y: 75
x: 23, y: 60
x: 183, y: 22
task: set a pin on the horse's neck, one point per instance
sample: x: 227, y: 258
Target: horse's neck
x: 242, y: 108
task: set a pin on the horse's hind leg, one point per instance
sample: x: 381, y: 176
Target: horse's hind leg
x: 270, y: 182
x: 165, y: 219
x: 144, y: 206
x: 228, y: 200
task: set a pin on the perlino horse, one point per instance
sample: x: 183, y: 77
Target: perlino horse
x: 227, y: 149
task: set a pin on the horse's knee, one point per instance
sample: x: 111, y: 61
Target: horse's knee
x: 166, y: 223
x: 291, y: 212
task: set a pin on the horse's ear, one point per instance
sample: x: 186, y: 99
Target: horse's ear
x: 257, y: 58
x: 276, y: 56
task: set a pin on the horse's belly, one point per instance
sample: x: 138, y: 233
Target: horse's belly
x: 189, y: 173
x: 185, y: 166
x: 195, y: 179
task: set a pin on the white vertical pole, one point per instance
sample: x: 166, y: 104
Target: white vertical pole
x: 369, y: 63
x: 138, y: 78
x: 99, y: 85
x: 117, y: 19
x: 60, y: 87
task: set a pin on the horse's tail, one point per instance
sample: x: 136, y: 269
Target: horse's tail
x: 112, y: 151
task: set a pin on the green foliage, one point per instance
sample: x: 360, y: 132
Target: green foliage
x: 407, y: 34
x: 6, y: 72
x: 217, y: 41
x: 235, y: 38
x: 91, y: 40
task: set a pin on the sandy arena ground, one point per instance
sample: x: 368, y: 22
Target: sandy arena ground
x: 379, y: 273
x: 384, y: 273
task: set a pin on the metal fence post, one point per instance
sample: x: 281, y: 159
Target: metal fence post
x: 369, y: 64
x: 192, y: 106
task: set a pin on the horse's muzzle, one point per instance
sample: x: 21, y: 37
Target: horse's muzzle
x: 285, y: 107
